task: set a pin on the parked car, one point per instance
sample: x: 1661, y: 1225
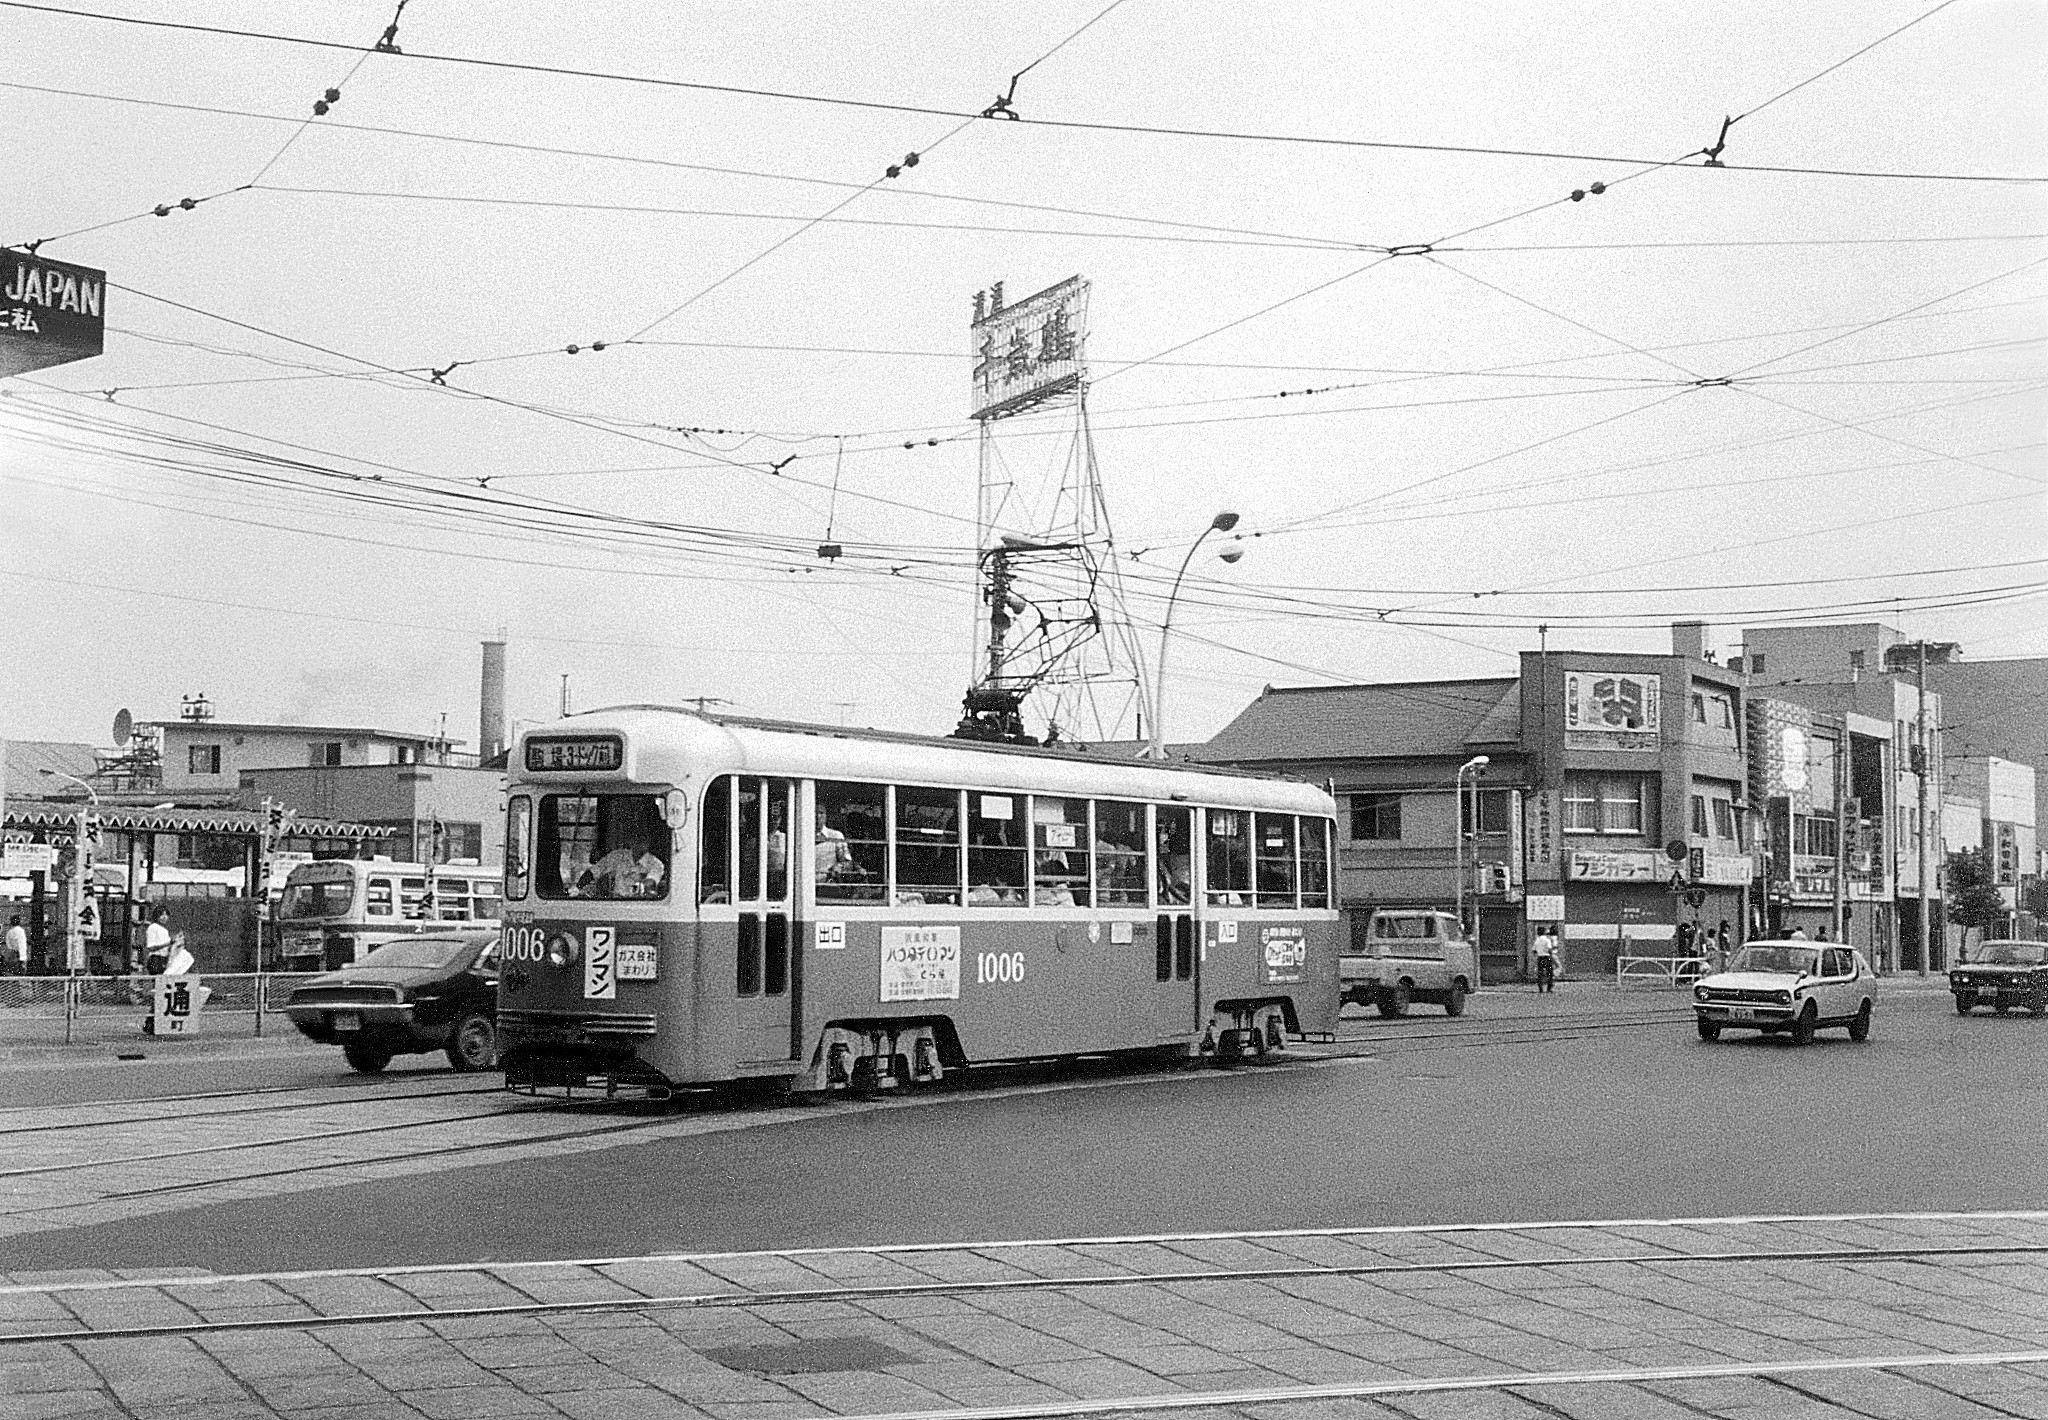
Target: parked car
x: 2004, y: 975
x: 1791, y: 987
x: 408, y: 997
x: 1410, y: 955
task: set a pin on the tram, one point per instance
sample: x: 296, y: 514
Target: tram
x: 694, y: 898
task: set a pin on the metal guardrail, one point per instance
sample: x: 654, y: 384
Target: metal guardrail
x: 74, y: 998
x: 1660, y: 971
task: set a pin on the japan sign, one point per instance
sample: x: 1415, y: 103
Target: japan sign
x: 1030, y: 352
x: 51, y: 312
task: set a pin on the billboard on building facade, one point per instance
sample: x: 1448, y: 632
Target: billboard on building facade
x: 1607, y: 710
x: 1540, y: 810
x: 1617, y: 866
x: 51, y: 312
x: 1031, y: 352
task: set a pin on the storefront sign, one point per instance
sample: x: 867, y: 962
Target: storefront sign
x: 1612, y: 712
x: 1543, y: 908
x: 1614, y: 867
x: 51, y: 312
x: 1540, y: 810
x: 1725, y: 869
x: 21, y: 859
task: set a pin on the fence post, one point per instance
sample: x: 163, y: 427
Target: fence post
x: 259, y: 982
x: 70, y: 1005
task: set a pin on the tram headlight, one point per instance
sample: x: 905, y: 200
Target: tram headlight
x: 563, y: 950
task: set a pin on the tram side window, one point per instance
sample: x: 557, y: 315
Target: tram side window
x: 1059, y: 856
x: 1315, y: 862
x: 995, y: 849
x: 1230, y: 858
x: 602, y: 846
x: 377, y: 897
x: 1119, y: 854
x: 1174, y: 856
x: 1274, y: 862
x: 764, y: 840
x: 714, y: 860
x: 927, y: 846
x: 518, y: 824
x: 853, y: 847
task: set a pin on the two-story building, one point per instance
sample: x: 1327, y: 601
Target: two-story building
x: 204, y: 758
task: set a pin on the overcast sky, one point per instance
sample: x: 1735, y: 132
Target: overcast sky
x: 1533, y: 406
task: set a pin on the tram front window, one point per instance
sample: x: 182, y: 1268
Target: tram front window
x: 319, y: 899
x: 613, y: 846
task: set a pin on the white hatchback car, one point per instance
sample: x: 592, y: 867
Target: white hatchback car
x: 1795, y: 987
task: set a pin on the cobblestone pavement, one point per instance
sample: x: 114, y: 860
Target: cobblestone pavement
x: 1906, y: 1316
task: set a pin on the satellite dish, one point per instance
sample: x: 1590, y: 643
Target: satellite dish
x: 124, y: 728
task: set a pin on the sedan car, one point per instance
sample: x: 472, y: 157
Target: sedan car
x: 408, y: 997
x: 2004, y: 975
x: 1795, y: 987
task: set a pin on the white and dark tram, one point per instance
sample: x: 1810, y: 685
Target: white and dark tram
x: 694, y: 898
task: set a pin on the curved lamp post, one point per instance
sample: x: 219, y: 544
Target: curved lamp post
x: 1222, y: 522
x: 1471, y: 766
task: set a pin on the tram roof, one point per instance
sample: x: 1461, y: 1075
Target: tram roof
x: 829, y: 756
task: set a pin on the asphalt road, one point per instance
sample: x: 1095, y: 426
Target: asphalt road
x: 1933, y: 1112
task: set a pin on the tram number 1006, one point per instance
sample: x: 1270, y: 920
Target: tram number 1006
x: 998, y: 966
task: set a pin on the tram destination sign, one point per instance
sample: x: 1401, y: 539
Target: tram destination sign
x: 51, y: 312
x: 587, y: 754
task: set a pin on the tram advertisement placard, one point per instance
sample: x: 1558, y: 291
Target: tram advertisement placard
x: 1286, y: 952
x: 920, y: 963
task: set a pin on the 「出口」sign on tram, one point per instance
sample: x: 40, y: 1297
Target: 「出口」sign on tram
x: 51, y: 313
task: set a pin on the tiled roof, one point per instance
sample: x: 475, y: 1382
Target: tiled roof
x: 1413, y: 720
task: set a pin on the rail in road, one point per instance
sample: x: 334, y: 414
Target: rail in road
x: 76, y: 1165
x: 1860, y: 1314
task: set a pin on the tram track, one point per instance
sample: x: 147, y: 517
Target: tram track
x: 855, y: 1292
x: 183, y: 1117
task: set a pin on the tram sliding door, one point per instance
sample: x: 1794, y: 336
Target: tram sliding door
x: 1176, y: 993
x: 767, y: 964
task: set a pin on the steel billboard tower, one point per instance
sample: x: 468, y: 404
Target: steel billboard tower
x: 1055, y: 629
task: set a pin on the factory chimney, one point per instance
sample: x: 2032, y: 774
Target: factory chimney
x: 490, y: 731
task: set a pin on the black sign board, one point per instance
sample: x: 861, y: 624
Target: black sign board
x: 587, y: 755
x: 51, y: 312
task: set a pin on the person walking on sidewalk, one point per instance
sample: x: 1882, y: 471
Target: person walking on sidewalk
x: 14, y: 958
x: 1546, y: 959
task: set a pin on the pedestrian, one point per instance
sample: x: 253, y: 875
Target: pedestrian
x: 1798, y: 934
x: 1545, y: 952
x: 1824, y: 932
x: 156, y: 943
x: 15, y: 957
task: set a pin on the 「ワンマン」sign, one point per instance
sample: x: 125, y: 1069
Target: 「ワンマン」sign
x: 51, y: 312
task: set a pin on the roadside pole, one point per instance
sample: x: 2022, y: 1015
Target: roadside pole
x: 1921, y: 753
x: 1841, y: 831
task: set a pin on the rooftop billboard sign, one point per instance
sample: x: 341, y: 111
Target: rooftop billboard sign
x: 51, y: 312
x: 1031, y: 352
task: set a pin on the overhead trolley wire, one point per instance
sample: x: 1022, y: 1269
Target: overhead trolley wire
x: 888, y: 106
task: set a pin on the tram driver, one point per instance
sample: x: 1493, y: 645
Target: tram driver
x: 630, y: 870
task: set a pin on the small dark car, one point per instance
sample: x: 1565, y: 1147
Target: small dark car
x: 408, y: 997
x: 2004, y: 975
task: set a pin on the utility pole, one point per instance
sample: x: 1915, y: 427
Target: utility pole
x: 1921, y: 755
x: 1841, y: 829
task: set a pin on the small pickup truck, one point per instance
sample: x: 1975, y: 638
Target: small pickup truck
x: 1409, y: 955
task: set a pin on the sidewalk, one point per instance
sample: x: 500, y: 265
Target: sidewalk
x: 1881, y: 1315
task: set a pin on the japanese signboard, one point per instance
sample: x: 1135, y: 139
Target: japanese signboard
x: 920, y: 963
x: 51, y: 312
x: 1541, y: 810
x: 597, y: 754
x: 174, y: 1005
x: 1543, y: 907
x: 1614, y: 867
x: 21, y: 859
x: 1030, y: 352
x: 600, y: 964
x: 1612, y: 711
x: 1725, y: 869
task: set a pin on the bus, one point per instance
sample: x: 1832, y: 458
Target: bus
x: 693, y: 899
x: 334, y: 911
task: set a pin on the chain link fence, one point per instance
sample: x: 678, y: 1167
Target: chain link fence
x: 40, y: 1010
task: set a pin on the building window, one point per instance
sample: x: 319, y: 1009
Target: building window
x: 324, y: 754
x: 1581, y: 806
x: 1724, y: 819
x: 1493, y: 811
x: 1376, y: 817
x: 1699, y: 816
x: 202, y: 759
x: 1621, y: 806
x: 1855, y: 660
x: 1756, y: 662
x: 1699, y: 708
x: 1814, y: 836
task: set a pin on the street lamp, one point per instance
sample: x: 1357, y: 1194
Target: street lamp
x: 1222, y: 522
x: 1471, y: 766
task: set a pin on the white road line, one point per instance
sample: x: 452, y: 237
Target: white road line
x: 1197, y: 1400
x: 892, y: 1249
